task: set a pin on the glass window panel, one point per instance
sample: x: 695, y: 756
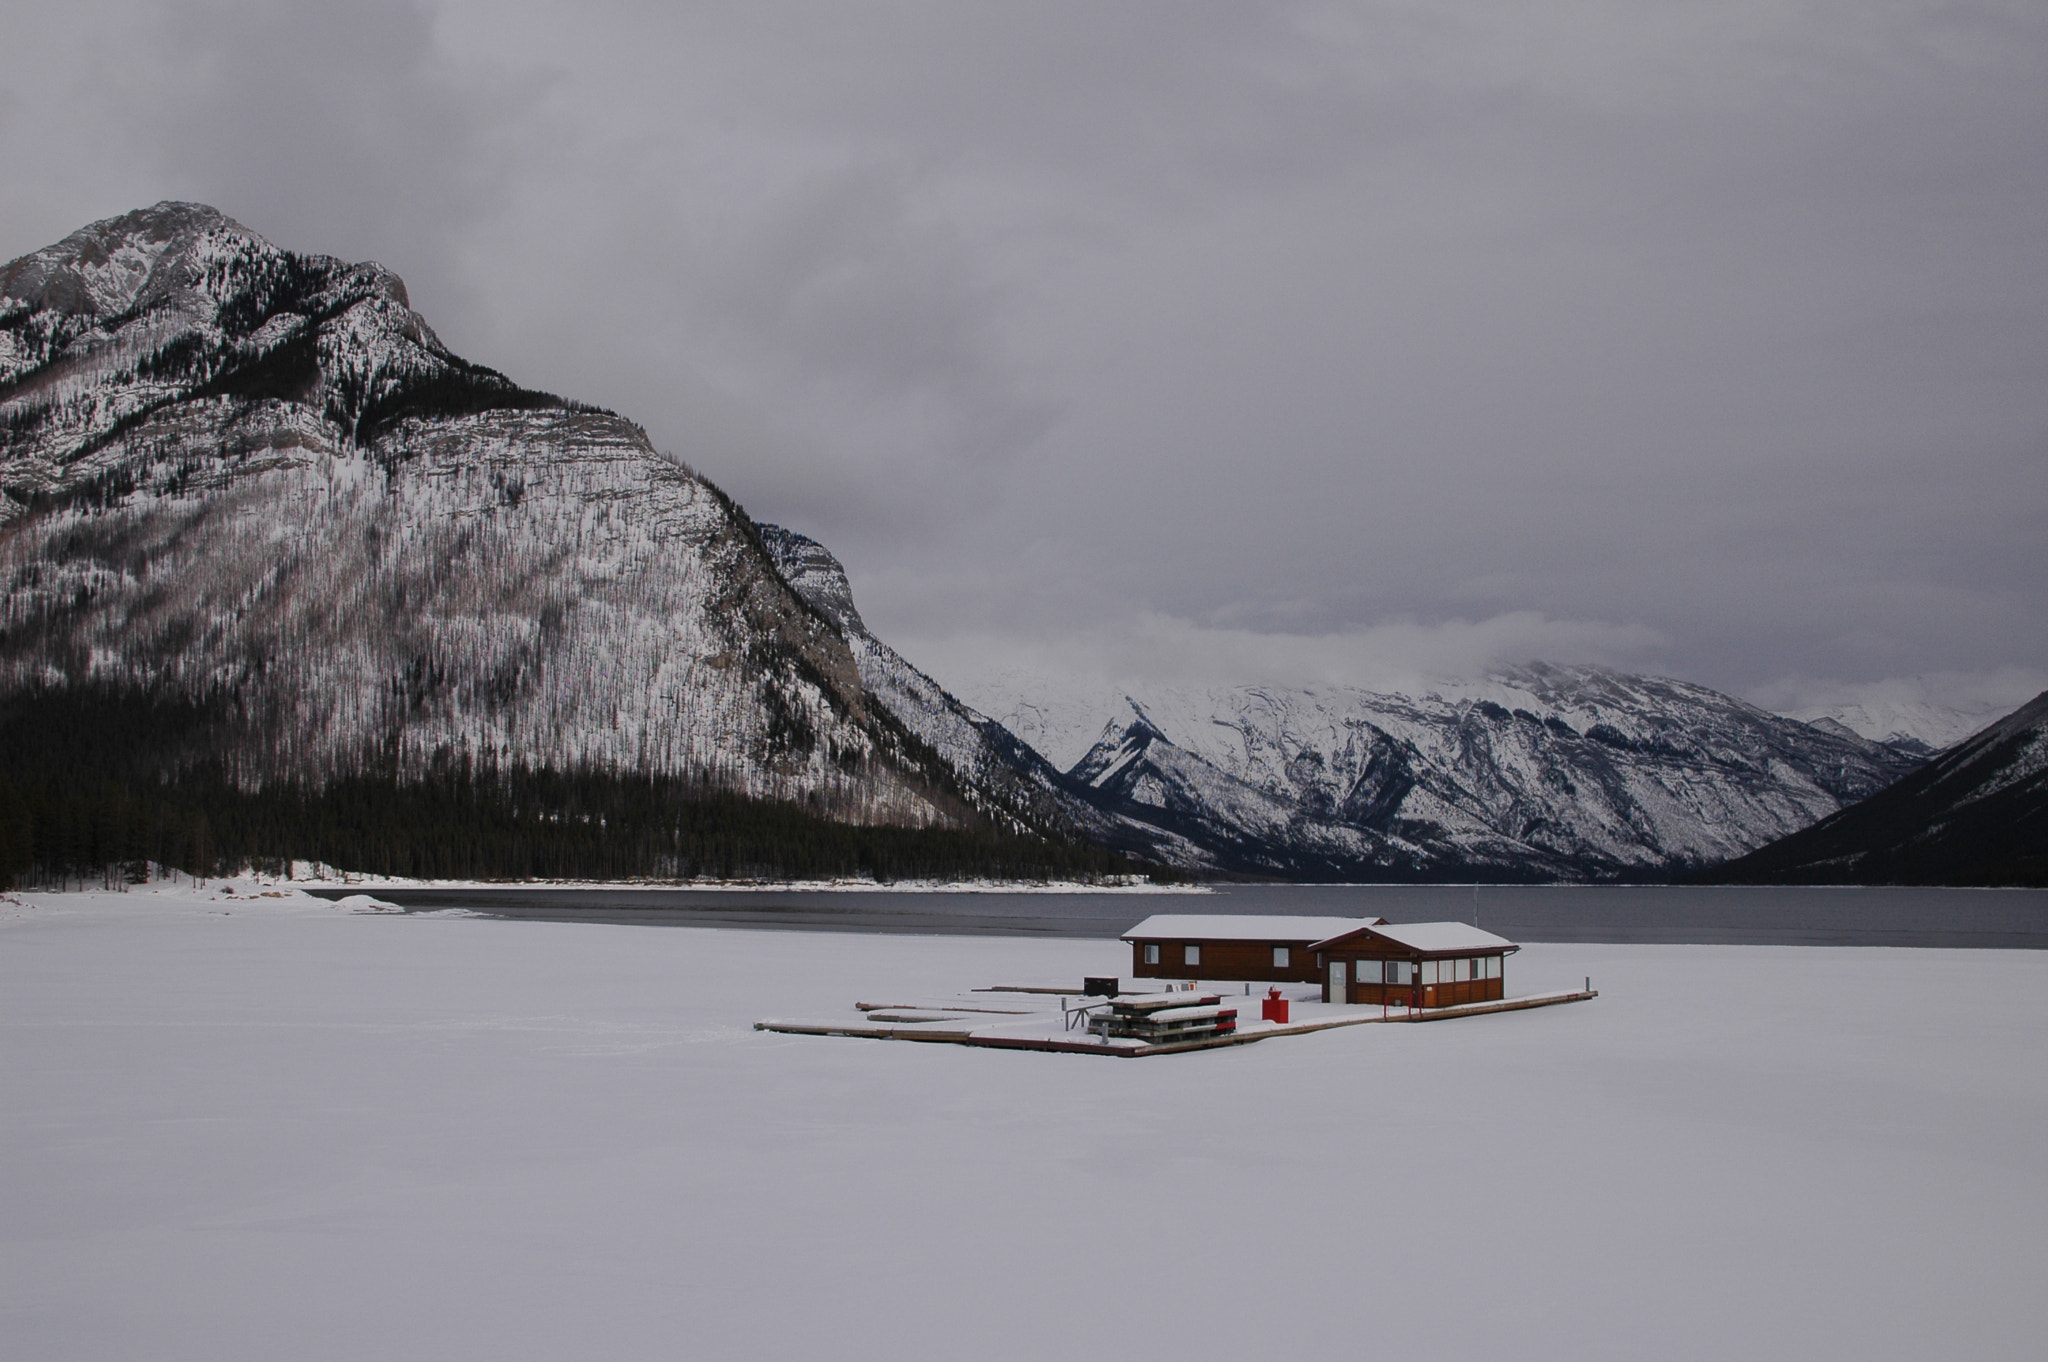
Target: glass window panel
x: 1152, y: 955
x: 1191, y: 955
x: 1280, y: 954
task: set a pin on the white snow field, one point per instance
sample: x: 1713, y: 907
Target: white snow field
x: 271, y: 1129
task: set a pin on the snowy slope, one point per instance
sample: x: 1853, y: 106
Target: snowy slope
x: 258, y: 479
x: 1976, y: 814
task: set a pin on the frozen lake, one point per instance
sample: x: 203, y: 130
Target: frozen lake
x: 259, y: 1129
x: 1656, y: 914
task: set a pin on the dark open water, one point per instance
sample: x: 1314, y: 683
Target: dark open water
x: 2002, y: 918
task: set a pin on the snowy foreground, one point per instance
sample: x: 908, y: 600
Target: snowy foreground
x: 263, y: 1128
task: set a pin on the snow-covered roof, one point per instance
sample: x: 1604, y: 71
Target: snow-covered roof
x: 1427, y: 937
x: 1243, y: 927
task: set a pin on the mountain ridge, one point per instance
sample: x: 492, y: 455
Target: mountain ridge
x: 1540, y: 771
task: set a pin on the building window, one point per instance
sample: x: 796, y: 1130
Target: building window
x: 1191, y: 955
x: 1152, y: 955
x: 1493, y: 967
x: 1429, y: 971
x: 1400, y: 972
x: 1280, y: 957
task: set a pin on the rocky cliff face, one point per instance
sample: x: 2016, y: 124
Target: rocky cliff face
x: 259, y: 480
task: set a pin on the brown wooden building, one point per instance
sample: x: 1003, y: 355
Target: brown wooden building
x: 1412, y: 964
x: 1277, y: 950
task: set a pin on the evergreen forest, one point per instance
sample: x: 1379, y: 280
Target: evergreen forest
x: 97, y: 783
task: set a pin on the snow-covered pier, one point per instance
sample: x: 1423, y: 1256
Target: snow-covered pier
x: 1044, y: 1019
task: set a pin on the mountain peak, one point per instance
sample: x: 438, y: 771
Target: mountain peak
x: 113, y: 266
x: 1141, y: 726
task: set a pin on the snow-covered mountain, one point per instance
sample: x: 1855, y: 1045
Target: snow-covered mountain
x: 258, y: 481
x: 256, y: 484
x: 1916, y: 728
x: 1538, y: 771
x: 1976, y: 814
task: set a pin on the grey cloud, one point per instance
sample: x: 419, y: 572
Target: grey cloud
x: 1707, y: 339
x: 345, y: 129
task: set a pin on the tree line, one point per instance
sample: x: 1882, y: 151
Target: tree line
x: 98, y: 785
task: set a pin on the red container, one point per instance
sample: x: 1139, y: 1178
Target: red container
x: 1273, y: 1007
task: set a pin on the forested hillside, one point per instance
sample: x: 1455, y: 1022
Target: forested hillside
x: 285, y: 577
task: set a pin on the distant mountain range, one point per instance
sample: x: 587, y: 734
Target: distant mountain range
x: 1916, y: 726
x: 259, y: 525
x: 1977, y: 814
x: 1537, y: 773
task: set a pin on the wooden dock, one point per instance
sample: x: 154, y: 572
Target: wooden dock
x: 981, y: 1034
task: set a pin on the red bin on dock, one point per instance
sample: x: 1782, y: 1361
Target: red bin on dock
x: 1273, y: 1007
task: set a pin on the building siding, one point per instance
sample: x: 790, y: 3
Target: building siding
x: 1247, y: 960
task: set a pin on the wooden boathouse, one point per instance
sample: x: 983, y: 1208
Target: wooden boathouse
x: 1356, y: 960
x: 1413, y: 964
x: 1247, y: 946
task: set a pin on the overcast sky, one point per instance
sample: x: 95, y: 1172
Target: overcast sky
x: 1211, y: 342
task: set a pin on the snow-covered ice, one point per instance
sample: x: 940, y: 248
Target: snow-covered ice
x: 249, y: 1127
